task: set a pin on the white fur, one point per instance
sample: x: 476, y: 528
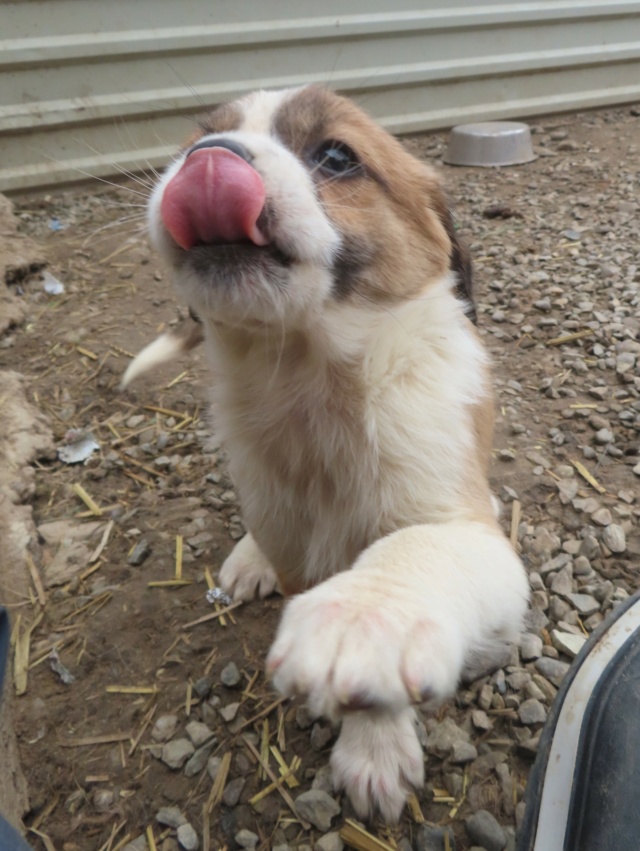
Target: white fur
x: 351, y: 441
x: 162, y: 350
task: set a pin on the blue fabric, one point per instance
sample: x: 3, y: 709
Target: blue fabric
x: 10, y: 840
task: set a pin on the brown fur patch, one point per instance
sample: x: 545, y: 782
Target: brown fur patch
x: 390, y: 212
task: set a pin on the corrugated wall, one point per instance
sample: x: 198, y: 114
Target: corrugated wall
x: 89, y: 87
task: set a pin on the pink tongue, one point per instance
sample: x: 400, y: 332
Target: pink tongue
x: 216, y: 197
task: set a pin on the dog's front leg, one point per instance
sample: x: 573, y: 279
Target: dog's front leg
x: 247, y: 572
x: 397, y: 629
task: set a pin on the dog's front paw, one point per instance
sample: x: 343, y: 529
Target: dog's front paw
x: 246, y: 573
x: 378, y: 760
x: 361, y: 641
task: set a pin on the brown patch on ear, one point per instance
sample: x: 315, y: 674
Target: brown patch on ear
x: 460, y: 264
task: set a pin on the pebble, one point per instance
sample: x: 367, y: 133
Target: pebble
x: 187, y: 837
x: 197, y: 762
x: 567, y: 642
x: 442, y: 736
x: 247, y: 839
x: 530, y: 647
x: 176, y: 753
x: 230, y: 675
x: 532, y: 712
x: 584, y: 603
x: 199, y: 733
x: 463, y: 752
x: 140, y: 553
x: 213, y: 766
x: 432, y: 838
x: 329, y: 842
x: 229, y: 711
x: 321, y: 735
x: 170, y: 817
x: 138, y: 844
x: 614, y: 538
x: 317, y: 807
x: 484, y: 830
x: 552, y: 669
x: 232, y: 792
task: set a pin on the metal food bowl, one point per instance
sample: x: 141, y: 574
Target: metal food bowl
x: 490, y: 143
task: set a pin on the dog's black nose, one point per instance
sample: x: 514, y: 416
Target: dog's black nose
x: 229, y: 144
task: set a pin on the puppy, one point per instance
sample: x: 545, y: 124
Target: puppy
x: 353, y: 397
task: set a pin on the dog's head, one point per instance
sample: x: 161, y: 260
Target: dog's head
x: 288, y: 201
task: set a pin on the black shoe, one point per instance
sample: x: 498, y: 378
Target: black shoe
x: 584, y: 790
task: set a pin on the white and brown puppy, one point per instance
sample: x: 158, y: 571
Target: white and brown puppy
x: 353, y: 397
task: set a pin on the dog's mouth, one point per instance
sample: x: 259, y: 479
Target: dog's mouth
x: 215, y: 208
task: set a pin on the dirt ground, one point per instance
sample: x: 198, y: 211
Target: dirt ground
x: 86, y: 748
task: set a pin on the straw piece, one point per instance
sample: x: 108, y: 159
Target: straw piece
x: 151, y: 842
x: 177, y: 379
x: 217, y: 790
x: 145, y: 724
x: 414, y: 807
x: 212, y: 616
x: 569, y: 338
x: 187, y: 705
x: 35, y: 576
x: 88, y: 741
x: 586, y: 475
x: 264, y: 748
x: 271, y: 787
x: 357, y: 837
x: 87, y: 353
x: 95, y: 555
x: 131, y: 690
x: 286, y: 797
x: 169, y: 583
x: 84, y: 496
x: 167, y: 411
x: 46, y: 840
x: 262, y: 713
x: 179, y: 541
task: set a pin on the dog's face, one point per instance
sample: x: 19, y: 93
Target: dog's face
x: 289, y: 202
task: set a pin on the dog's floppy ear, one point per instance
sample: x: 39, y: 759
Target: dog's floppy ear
x: 460, y: 264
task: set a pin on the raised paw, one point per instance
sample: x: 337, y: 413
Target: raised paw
x: 356, y: 642
x: 378, y: 761
x: 247, y: 573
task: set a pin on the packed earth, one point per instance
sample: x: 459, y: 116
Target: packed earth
x: 143, y: 715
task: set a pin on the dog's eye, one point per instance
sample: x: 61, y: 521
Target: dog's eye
x: 336, y: 159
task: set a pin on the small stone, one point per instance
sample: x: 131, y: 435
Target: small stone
x: 202, y: 687
x: 562, y: 582
x: 484, y: 830
x: 317, y: 807
x: 567, y: 489
x: 213, y: 767
x: 229, y: 712
x: 103, y: 799
x: 323, y: 780
x: 170, y: 817
x: 552, y: 669
x: 232, y: 792
x: 584, y: 603
x: 604, y: 436
x: 230, y: 675
x: 530, y: 647
x: 247, y: 839
x: 329, y: 842
x: 442, y: 737
x: 602, y: 517
x: 197, y: 762
x: 532, y: 712
x: 582, y: 566
x: 614, y: 538
x: 176, y: 753
x: 304, y: 718
x: 463, y: 752
x: 188, y: 838
x: 567, y: 642
x: 140, y: 553
x: 480, y: 720
x: 198, y: 733
x: 431, y: 838
x: 321, y: 735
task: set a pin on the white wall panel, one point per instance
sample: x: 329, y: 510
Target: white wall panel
x: 92, y: 86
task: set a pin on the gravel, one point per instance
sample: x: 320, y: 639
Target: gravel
x: 558, y: 284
